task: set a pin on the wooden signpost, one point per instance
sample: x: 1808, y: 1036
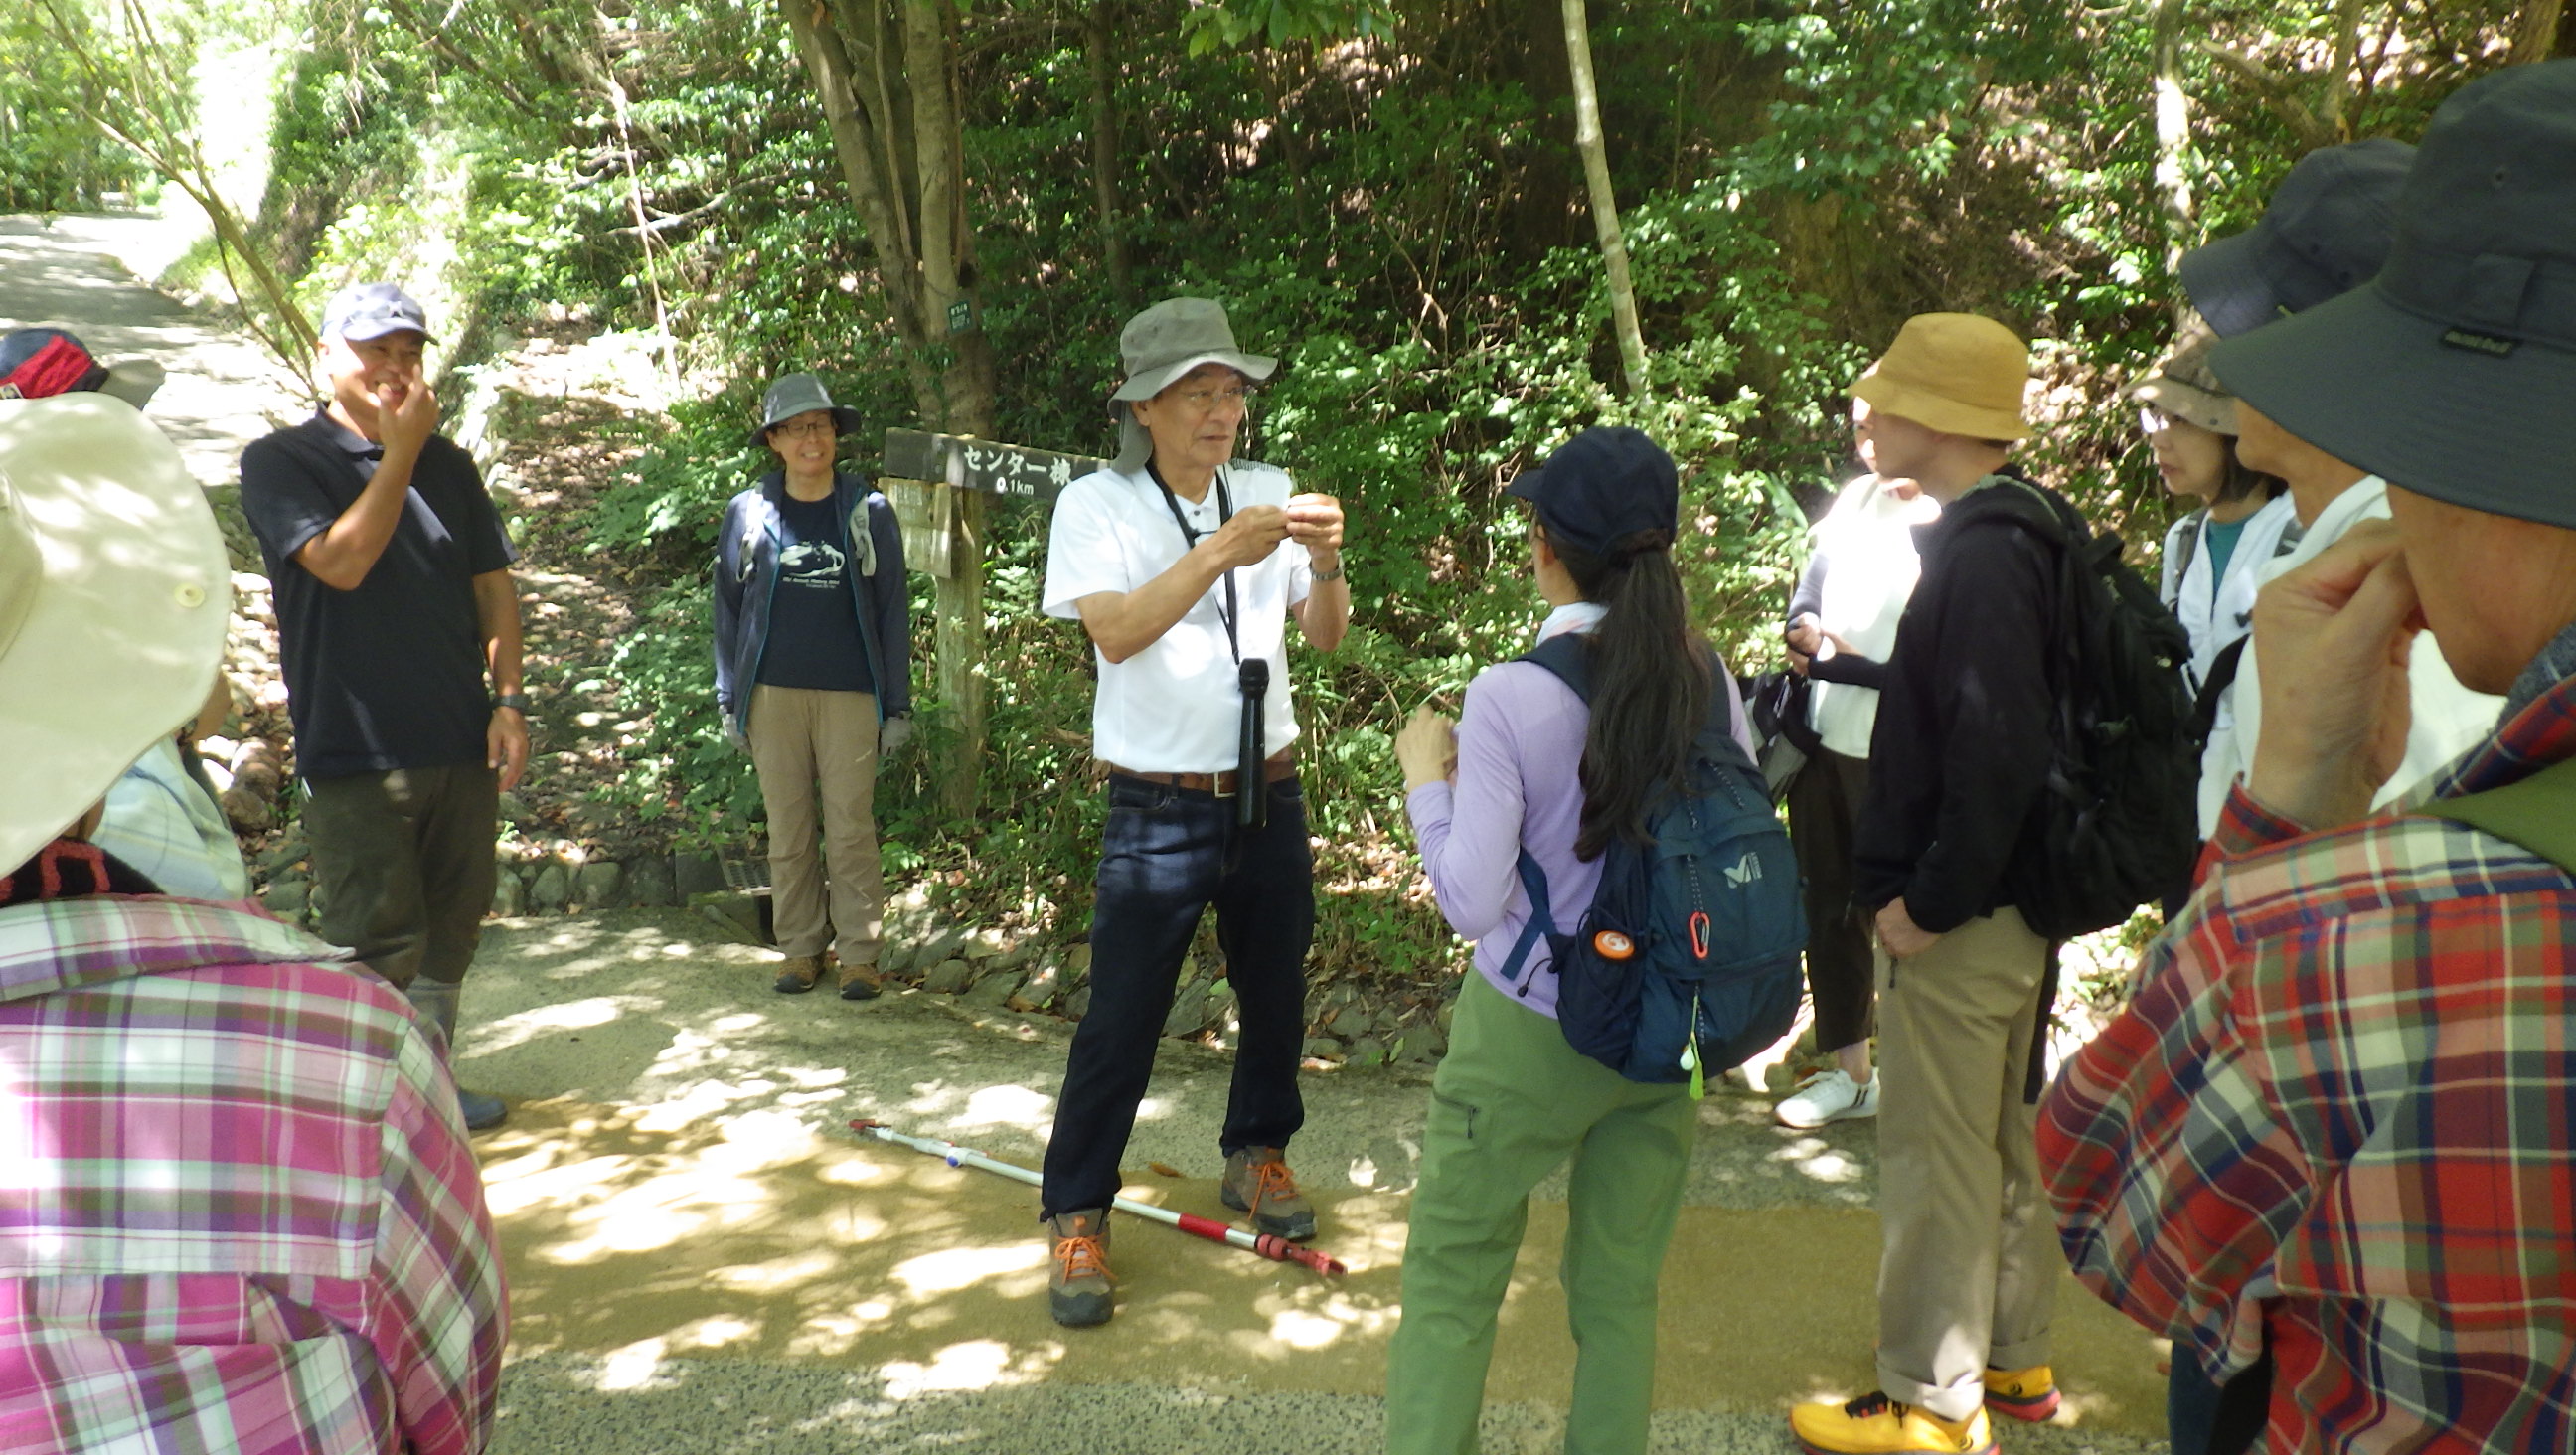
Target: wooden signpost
x: 940, y: 486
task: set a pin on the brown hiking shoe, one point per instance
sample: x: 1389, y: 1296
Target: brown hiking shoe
x: 861, y: 982
x: 1258, y: 1182
x: 1078, y: 1280
x: 797, y: 974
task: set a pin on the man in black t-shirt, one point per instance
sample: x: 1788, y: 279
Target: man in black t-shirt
x: 394, y: 605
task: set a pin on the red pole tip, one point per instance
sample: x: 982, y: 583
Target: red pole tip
x: 861, y: 1124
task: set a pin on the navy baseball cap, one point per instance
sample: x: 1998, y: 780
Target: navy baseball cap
x: 2452, y: 373
x: 363, y: 311
x: 1602, y: 485
x: 2326, y: 233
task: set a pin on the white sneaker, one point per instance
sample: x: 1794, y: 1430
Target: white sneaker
x: 1827, y: 1096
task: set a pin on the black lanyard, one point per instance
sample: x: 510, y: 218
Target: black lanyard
x: 1190, y: 538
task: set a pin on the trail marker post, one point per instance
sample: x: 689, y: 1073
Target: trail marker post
x: 941, y: 487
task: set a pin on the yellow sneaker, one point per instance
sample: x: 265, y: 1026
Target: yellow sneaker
x: 1877, y: 1425
x: 2025, y: 1394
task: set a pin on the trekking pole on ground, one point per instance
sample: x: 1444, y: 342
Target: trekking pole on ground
x: 1270, y: 1246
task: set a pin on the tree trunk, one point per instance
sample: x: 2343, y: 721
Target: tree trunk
x: 2347, y: 50
x: 958, y: 607
x: 2173, y: 131
x: 886, y: 74
x: 1104, y: 152
x: 2536, y: 38
x: 1605, y: 208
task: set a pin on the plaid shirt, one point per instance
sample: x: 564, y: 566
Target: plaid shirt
x: 2340, y: 1110
x: 237, y: 1211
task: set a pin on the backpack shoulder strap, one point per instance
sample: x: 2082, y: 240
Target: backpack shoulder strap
x: 1542, y: 920
x: 2538, y: 813
x: 1563, y: 655
x: 2222, y: 675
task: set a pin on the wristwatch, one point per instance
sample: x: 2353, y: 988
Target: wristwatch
x: 518, y: 700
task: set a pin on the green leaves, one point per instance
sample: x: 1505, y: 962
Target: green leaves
x: 1214, y: 24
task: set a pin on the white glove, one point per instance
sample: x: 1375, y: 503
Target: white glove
x: 892, y: 734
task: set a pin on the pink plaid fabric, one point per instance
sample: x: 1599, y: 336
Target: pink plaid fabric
x: 237, y: 1210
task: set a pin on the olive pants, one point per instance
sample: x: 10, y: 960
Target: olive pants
x: 1512, y: 1101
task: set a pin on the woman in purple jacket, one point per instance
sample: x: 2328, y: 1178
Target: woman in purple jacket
x: 1528, y: 766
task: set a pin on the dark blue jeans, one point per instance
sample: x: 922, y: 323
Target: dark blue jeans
x: 2203, y: 1417
x: 1166, y: 856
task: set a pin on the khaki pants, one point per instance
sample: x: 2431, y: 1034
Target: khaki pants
x: 1969, y: 1262
x: 819, y: 749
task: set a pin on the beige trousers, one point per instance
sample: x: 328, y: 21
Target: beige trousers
x: 1969, y: 1262
x: 819, y: 749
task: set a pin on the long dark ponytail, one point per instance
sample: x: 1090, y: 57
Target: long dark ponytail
x: 1651, y: 682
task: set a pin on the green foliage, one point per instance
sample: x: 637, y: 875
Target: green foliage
x: 1280, y: 22
x: 1384, y: 196
x: 52, y: 158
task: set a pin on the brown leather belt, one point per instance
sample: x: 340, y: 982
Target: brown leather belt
x: 1280, y: 765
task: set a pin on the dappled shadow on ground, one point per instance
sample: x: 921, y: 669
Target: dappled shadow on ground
x: 753, y: 1238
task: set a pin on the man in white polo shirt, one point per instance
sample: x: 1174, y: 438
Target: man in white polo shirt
x: 1184, y: 567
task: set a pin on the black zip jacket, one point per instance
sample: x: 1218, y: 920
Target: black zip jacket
x: 1962, y: 746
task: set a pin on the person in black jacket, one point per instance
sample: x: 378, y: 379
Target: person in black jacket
x: 814, y: 677
x: 1957, y: 762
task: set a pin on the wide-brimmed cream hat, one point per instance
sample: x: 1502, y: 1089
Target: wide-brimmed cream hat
x: 2183, y: 385
x: 1959, y: 373
x: 1162, y: 344
x: 114, y: 597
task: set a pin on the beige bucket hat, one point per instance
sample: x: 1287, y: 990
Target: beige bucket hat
x: 1959, y: 373
x: 114, y: 598
x: 2183, y: 385
x: 1160, y: 345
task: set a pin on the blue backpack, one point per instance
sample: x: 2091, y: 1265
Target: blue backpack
x: 1687, y: 962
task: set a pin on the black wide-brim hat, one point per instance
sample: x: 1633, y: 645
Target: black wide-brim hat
x: 2453, y: 373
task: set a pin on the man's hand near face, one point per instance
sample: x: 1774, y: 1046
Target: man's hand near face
x: 406, y: 413
x: 2335, y: 639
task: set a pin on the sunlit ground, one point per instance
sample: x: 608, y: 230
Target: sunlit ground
x: 677, y: 1195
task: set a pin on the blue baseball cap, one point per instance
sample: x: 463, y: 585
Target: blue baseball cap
x: 363, y: 311
x: 1602, y: 486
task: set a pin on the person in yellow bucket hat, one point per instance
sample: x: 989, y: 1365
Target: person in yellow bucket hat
x: 1958, y: 759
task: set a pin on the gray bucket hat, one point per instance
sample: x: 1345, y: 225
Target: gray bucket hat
x: 2325, y: 233
x: 2451, y: 373
x: 2183, y: 386
x: 1159, y: 346
x: 796, y: 394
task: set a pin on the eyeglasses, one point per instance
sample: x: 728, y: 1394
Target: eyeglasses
x: 1202, y: 400
x: 2153, y: 421
x: 807, y: 429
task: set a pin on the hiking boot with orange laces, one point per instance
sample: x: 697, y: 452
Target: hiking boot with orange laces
x: 1078, y: 1281
x: 2025, y: 1394
x: 1258, y: 1182
x: 1877, y: 1425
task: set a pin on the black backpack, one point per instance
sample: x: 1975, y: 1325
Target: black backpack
x: 1687, y: 962
x: 2120, y: 810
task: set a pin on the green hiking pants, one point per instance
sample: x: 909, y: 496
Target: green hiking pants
x: 1511, y: 1101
